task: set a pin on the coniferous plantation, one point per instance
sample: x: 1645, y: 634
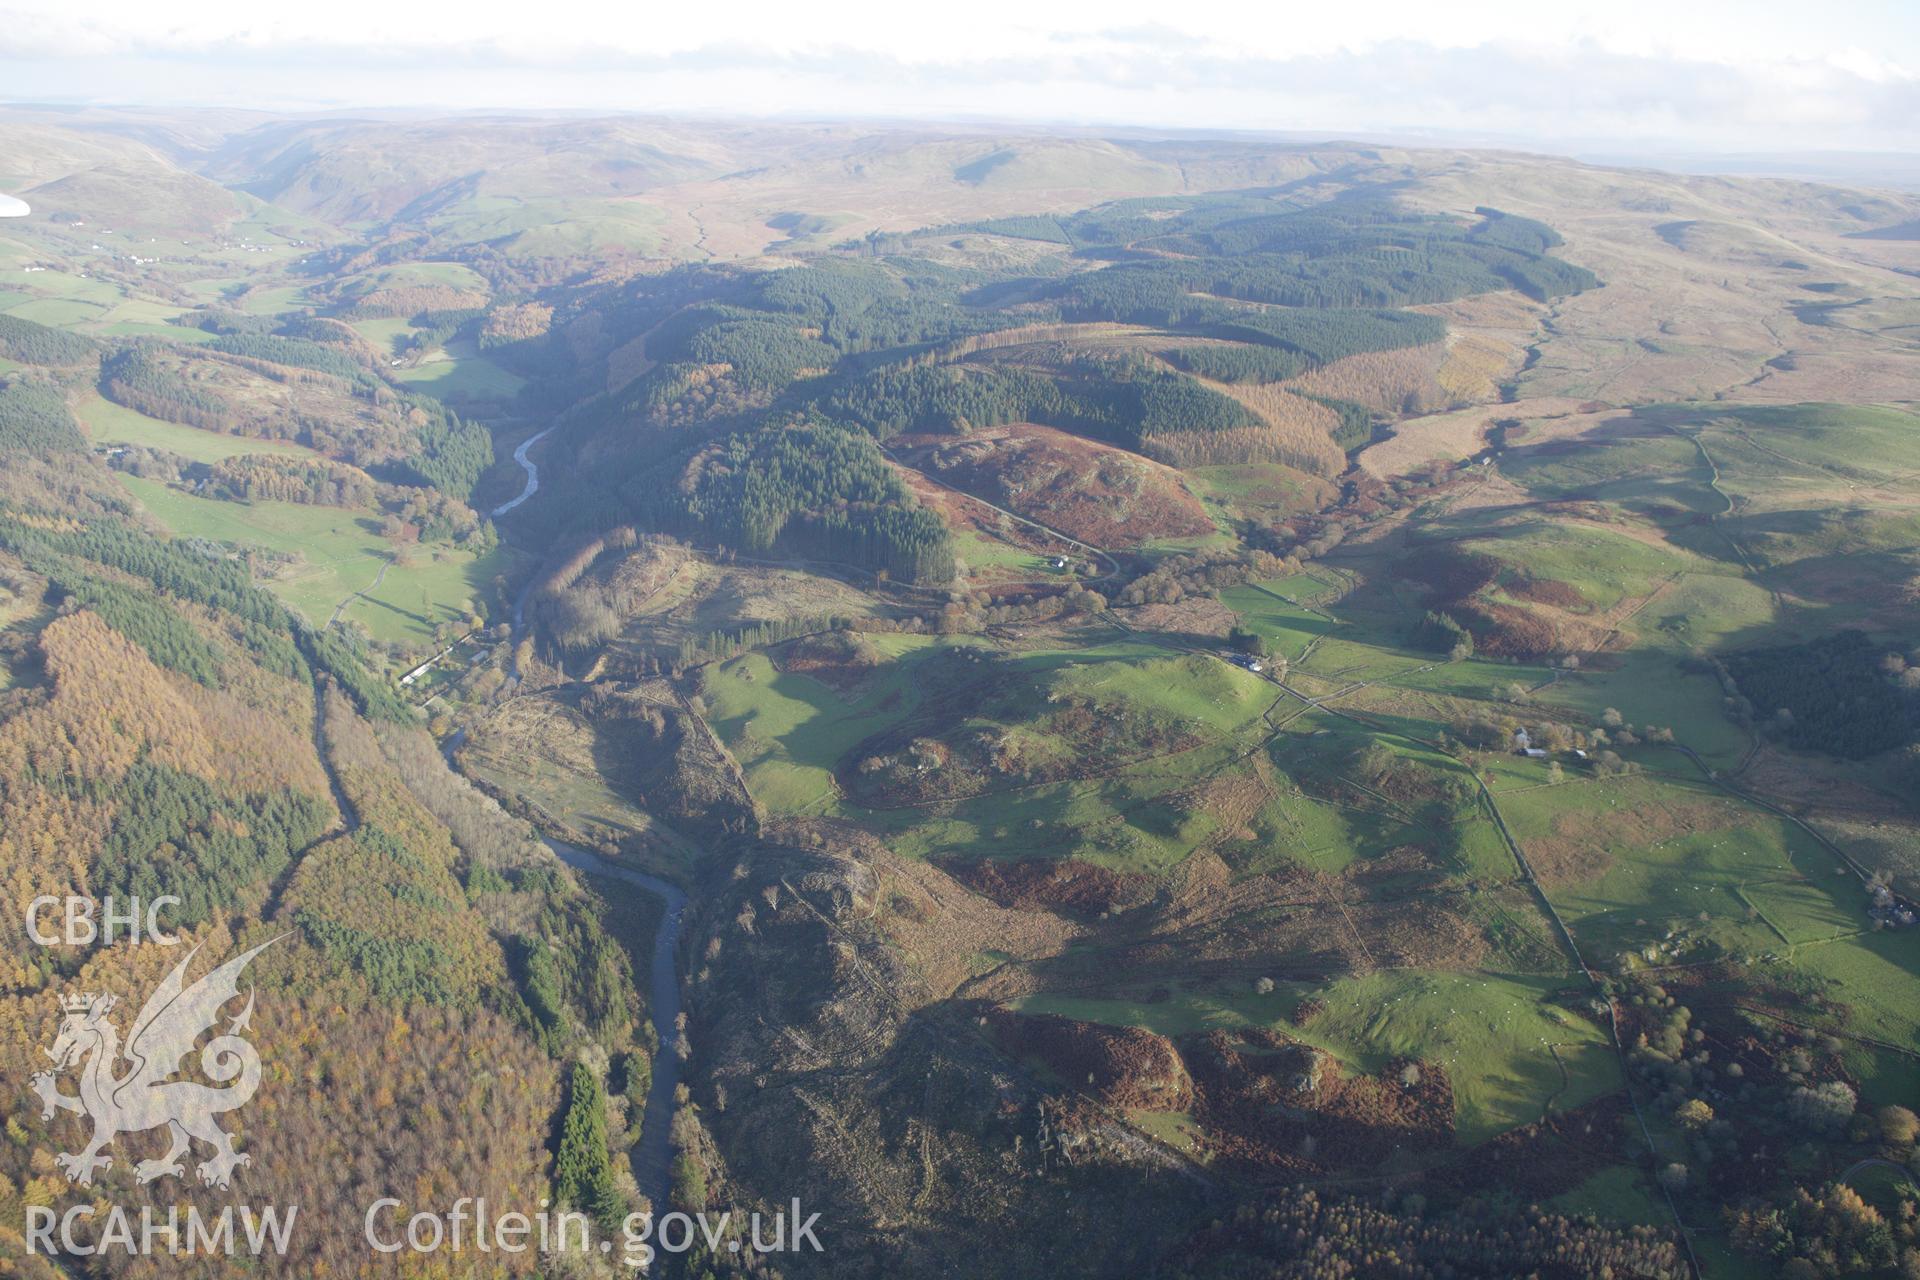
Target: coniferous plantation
x: 1079, y: 706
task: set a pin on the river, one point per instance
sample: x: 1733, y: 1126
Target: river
x: 653, y: 1155
x: 530, y: 467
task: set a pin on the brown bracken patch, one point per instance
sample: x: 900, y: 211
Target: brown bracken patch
x: 1100, y: 495
x: 1273, y: 1106
x: 1122, y: 1066
x: 1062, y: 885
x: 842, y: 660
x: 1560, y: 595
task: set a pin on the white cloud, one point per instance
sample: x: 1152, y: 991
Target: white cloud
x: 1709, y: 73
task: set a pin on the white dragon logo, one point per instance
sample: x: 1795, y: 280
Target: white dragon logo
x: 144, y: 1097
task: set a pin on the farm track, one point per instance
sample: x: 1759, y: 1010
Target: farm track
x: 1276, y: 725
x: 1631, y: 614
x: 1793, y: 461
x: 1298, y: 604
x: 361, y: 594
x: 1599, y: 988
x: 1875, y: 1163
x: 1713, y: 483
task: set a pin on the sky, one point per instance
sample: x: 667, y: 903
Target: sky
x: 1760, y: 75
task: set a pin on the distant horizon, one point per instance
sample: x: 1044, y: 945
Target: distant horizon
x: 1715, y: 76
x: 1876, y: 166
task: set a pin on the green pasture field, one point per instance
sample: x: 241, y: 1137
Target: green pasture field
x: 1318, y: 822
x: 448, y: 275
x: 1604, y: 567
x: 218, y: 289
x: 979, y: 552
x: 335, y: 553
x: 48, y: 287
x: 1647, y: 683
x: 1708, y: 612
x: 1128, y: 820
x: 1331, y: 837
x: 1270, y: 488
x: 1619, y: 1194
x: 1677, y: 871
x: 1857, y: 441
x: 1649, y: 687
x: 1222, y: 537
x: 60, y: 313
x: 1809, y: 494
x: 459, y: 372
x: 790, y: 732
x: 143, y: 311
x: 108, y: 423
x: 274, y: 301
x: 1343, y: 658
x: 1876, y: 975
x: 1490, y: 1031
x: 1288, y: 628
x: 1655, y: 475
x: 145, y: 329
x: 1777, y: 531
x: 1479, y: 679
x: 383, y: 332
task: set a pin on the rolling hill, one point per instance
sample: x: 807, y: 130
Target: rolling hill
x: 1322, y: 703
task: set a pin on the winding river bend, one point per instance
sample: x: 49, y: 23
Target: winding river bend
x: 531, y: 468
x: 653, y: 1155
